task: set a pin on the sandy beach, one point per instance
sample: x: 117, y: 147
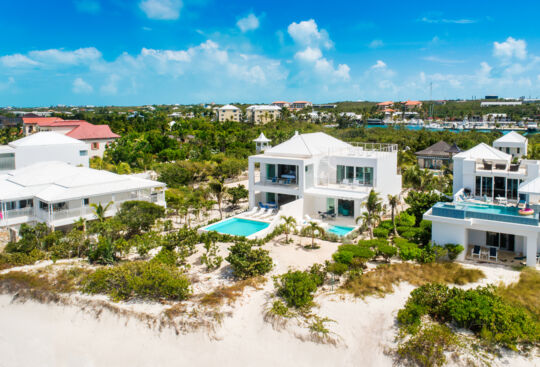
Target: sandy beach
x: 33, y: 334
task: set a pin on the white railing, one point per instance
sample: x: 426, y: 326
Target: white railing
x: 16, y: 213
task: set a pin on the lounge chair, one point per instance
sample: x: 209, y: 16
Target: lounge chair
x: 522, y: 204
x: 502, y: 201
x: 493, y: 253
x: 252, y: 211
x: 488, y: 199
x: 475, y: 251
x: 267, y: 214
x: 514, y: 167
x: 488, y: 165
x: 501, y: 166
x: 261, y: 213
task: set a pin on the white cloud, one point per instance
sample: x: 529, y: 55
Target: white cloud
x: 435, y: 20
x: 248, y: 23
x: 87, y: 6
x: 58, y: 56
x: 309, y: 54
x: 161, y: 9
x: 81, y: 87
x: 111, y: 86
x: 376, y: 44
x: 17, y: 60
x: 379, y: 65
x: 510, y: 48
x: 306, y: 33
x: 442, y: 60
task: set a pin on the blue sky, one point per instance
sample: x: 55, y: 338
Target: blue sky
x: 119, y: 52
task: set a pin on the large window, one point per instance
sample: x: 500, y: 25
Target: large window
x: 357, y: 175
x: 486, y: 185
x: 512, y: 185
x: 478, y: 186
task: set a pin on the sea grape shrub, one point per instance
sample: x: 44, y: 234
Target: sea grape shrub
x: 479, y: 310
x: 386, y: 224
x: 151, y: 280
x: 247, y: 262
x: 386, y: 251
x: 296, y: 288
x: 381, y: 232
x: 453, y: 250
x: 405, y: 219
x: 407, y: 250
x: 353, y: 255
x: 138, y: 216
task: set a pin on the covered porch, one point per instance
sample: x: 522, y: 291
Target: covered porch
x: 333, y: 206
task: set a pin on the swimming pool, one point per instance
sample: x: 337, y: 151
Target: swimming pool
x: 238, y: 227
x: 461, y: 210
x: 340, y: 230
x: 484, y: 208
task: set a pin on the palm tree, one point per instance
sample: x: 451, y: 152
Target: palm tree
x: 80, y: 223
x: 289, y: 223
x: 393, y: 201
x: 314, y: 229
x: 218, y: 189
x: 368, y: 221
x: 99, y: 210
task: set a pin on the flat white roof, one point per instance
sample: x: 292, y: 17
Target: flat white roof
x: 45, y: 138
x: 6, y: 149
x: 59, y: 181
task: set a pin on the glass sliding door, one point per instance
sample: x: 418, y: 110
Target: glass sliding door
x: 368, y: 173
x: 512, y: 185
x: 270, y: 171
x: 346, y: 208
x: 349, y: 173
x: 500, y: 187
x: 478, y: 186
x: 340, y: 173
x: 487, y: 186
x: 330, y: 205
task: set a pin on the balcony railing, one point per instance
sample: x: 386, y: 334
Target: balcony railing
x: 292, y: 183
x: 17, y: 213
x: 448, y: 210
x: 501, y: 168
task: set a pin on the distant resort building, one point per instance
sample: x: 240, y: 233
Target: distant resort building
x: 385, y: 105
x: 500, y: 103
x: 262, y: 114
x: 228, y: 113
x: 299, y: 105
x: 281, y: 104
x: 437, y: 156
x: 411, y: 105
x: 512, y: 143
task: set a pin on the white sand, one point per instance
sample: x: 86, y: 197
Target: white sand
x: 33, y: 334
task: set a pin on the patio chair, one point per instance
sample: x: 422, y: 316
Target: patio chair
x: 502, y: 201
x: 345, y: 181
x: 501, y: 166
x: 514, y: 167
x: 488, y: 199
x: 274, y: 179
x: 487, y: 165
x: 493, y: 253
x: 475, y: 251
x: 522, y: 204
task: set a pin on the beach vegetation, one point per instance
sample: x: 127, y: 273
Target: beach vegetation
x: 248, y: 262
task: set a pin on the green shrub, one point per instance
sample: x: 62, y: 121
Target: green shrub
x: 453, y: 250
x: 381, y: 232
x: 337, y: 268
x: 147, y: 280
x: 360, y: 253
x: 319, y: 273
x: 479, y: 310
x: 103, y: 252
x: 405, y: 219
x: 410, y: 233
x: 166, y: 256
x: 407, y: 250
x: 343, y: 257
x: 296, y: 288
x: 428, y: 347
x: 386, y: 224
x: 139, y: 216
x: 373, y: 244
x: 386, y: 251
x: 247, y: 262
x: 20, y: 258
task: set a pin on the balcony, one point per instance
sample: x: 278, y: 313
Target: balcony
x: 497, y: 213
x: 278, y: 182
x: 18, y: 213
x: 500, y: 168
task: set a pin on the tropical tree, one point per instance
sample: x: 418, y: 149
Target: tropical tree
x: 236, y: 194
x: 289, y: 223
x: 218, y: 189
x: 314, y: 229
x: 372, y: 215
x: 369, y: 219
x: 100, y: 210
x: 393, y: 201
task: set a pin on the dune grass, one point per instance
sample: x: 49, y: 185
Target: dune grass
x: 231, y: 293
x: 63, y: 281
x: 382, y: 280
x: 525, y: 292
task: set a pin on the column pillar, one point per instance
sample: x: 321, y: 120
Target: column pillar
x: 531, y: 246
x: 251, y: 184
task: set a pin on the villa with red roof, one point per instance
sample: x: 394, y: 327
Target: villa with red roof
x: 299, y: 105
x: 98, y: 137
x: 411, y: 105
x: 385, y: 105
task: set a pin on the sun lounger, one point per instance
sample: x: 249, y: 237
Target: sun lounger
x: 261, y: 213
x: 493, y: 253
x: 475, y: 251
x: 251, y: 212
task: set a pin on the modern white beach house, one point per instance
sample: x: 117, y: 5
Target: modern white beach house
x: 496, y: 207
x: 313, y: 177
x: 331, y: 176
x: 512, y: 143
x: 58, y: 194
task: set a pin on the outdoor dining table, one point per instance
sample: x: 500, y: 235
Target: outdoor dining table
x: 288, y: 176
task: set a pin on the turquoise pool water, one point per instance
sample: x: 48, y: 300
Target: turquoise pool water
x: 485, y: 208
x: 238, y: 227
x: 340, y: 230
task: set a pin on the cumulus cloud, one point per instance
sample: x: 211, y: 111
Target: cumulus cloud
x: 58, y: 56
x: 510, y: 48
x: 87, y: 6
x: 442, y: 60
x: 376, y: 44
x: 379, y: 65
x: 306, y: 33
x: 81, y: 87
x: 436, y: 20
x: 17, y: 61
x: 248, y: 23
x: 161, y: 9
x: 309, y: 54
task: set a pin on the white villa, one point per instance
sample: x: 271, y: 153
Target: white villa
x: 42, y: 147
x: 58, y: 193
x: 496, y: 206
x: 512, y: 143
x: 330, y: 177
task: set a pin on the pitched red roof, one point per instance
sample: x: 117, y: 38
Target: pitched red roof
x: 40, y: 120
x: 88, y: 131
x: 387, y: 103
x: 413, y: 103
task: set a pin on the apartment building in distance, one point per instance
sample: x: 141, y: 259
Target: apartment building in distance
x: 228, y: 113
x: 262, y: 114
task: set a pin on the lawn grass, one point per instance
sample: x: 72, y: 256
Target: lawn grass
x: 525, y: 293
x: 382, y: 280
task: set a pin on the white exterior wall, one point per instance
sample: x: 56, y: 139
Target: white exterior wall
x: 228, y: 115
x: 101, y: 149
x: 69, y: 153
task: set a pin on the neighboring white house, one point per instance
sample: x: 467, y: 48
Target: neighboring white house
x: 42, y: 147
x: 262, y: 114
x: 484, y: 175
x: 330, y: 175
x: 58, y: 193
x: 227, y: 113
x: 512, y: 143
